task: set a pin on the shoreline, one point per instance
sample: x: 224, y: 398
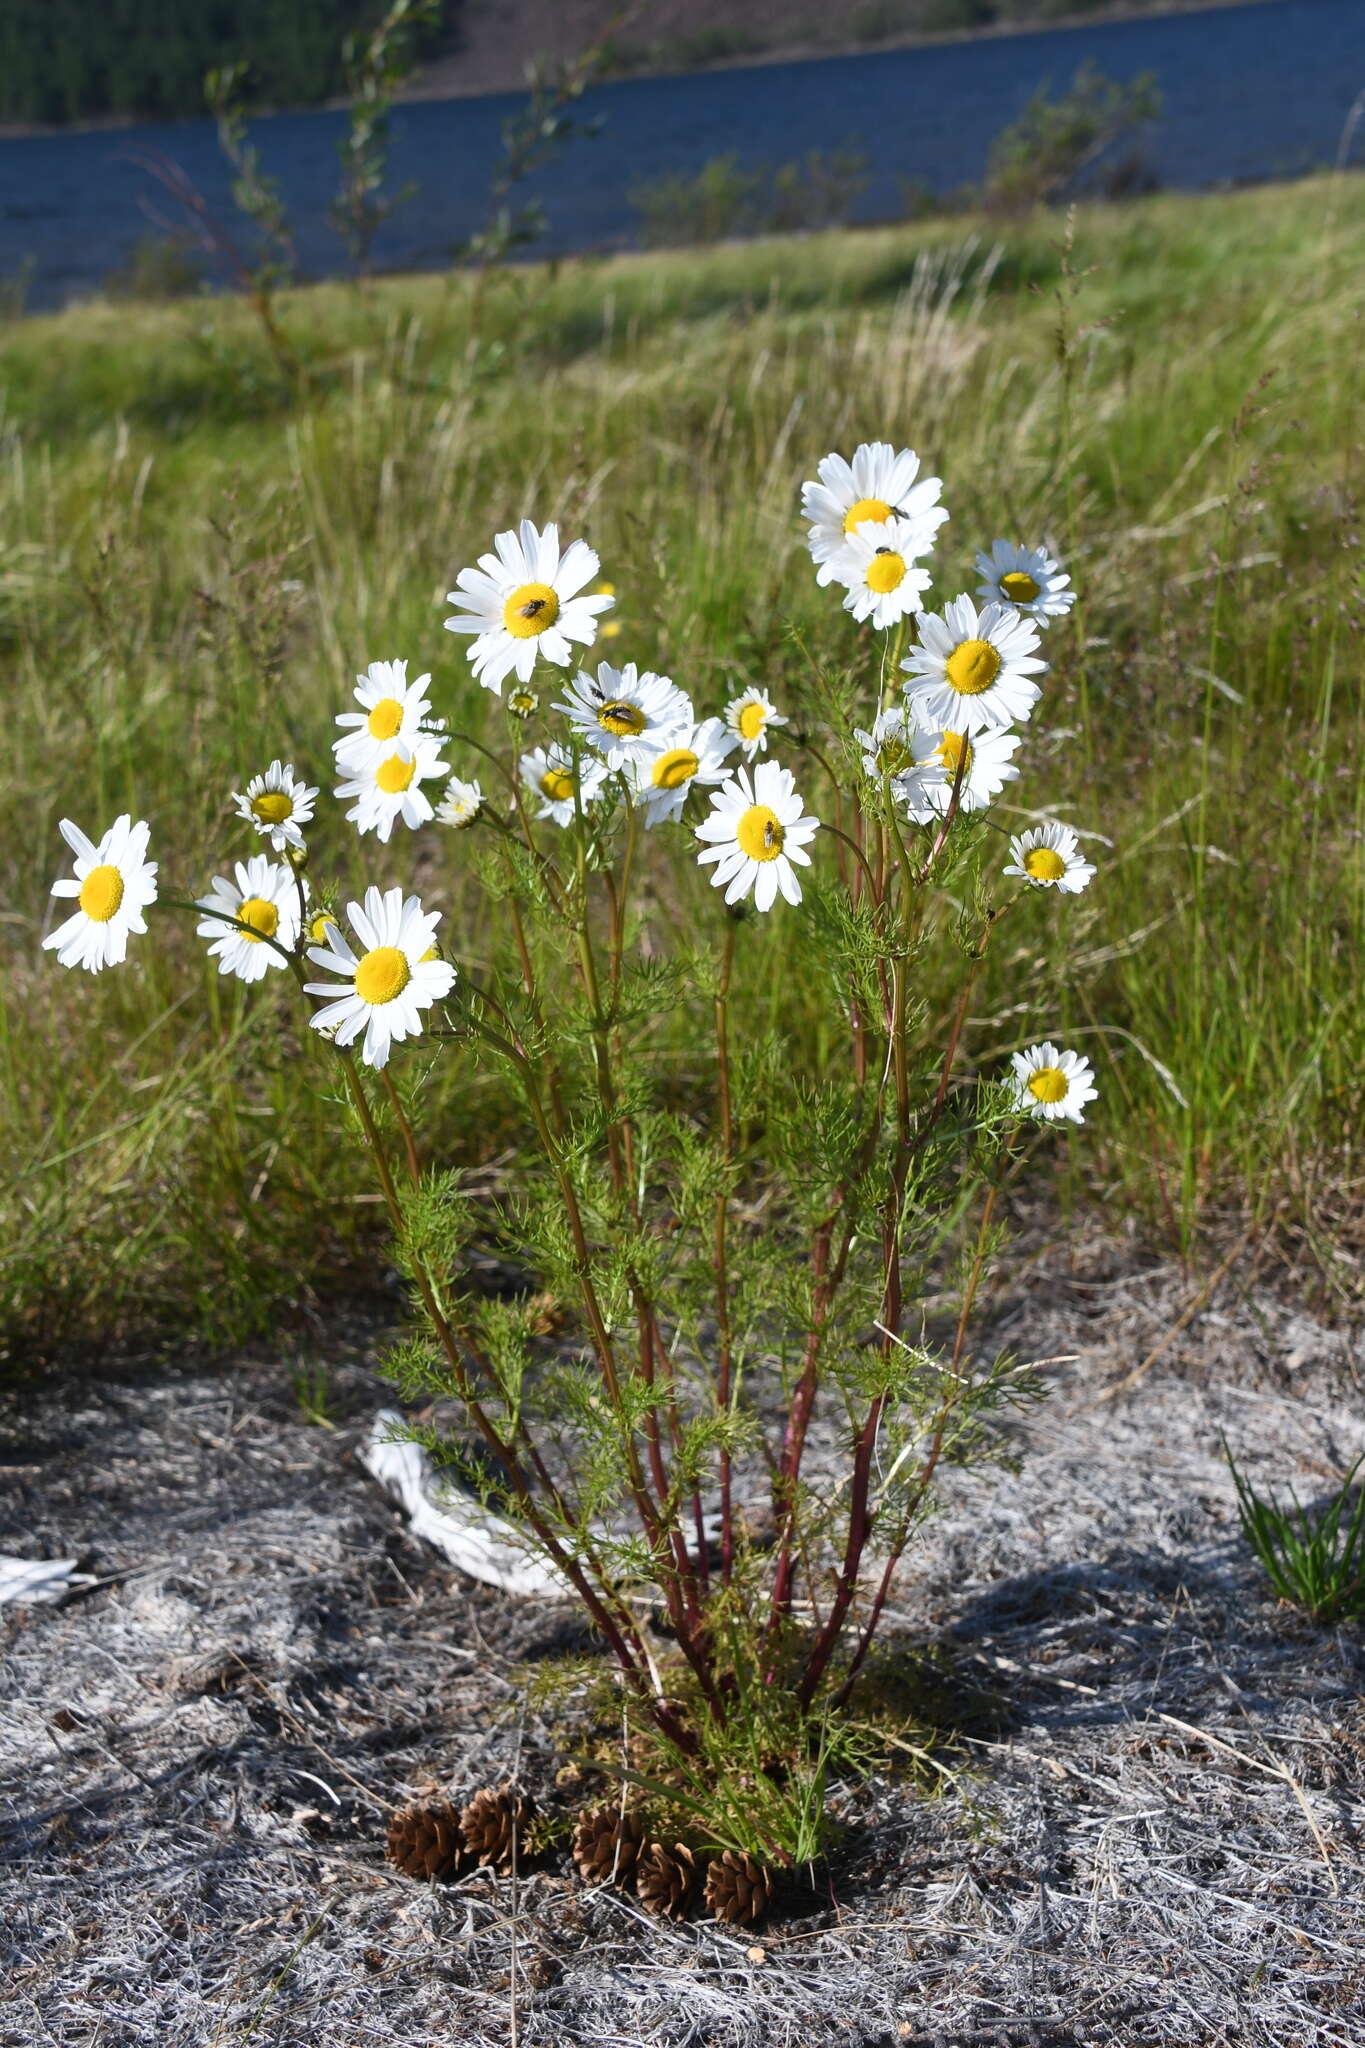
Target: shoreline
x: 437, y: 79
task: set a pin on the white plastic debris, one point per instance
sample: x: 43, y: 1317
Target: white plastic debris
x: 38, y: 1581
x: 475, y: 1539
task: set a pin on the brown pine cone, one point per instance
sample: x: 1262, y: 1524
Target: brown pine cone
x: 738, y: 1889
x: 666, y: 1878
x: 607, y: 1844
x: 425, y: 1841
x: 493, y: 1819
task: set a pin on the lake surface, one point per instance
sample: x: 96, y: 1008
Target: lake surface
x: 1248, y: 93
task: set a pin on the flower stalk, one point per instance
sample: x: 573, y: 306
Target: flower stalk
x: 716, y: 1229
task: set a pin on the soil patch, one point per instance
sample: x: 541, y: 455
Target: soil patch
x: 1165, y: 1842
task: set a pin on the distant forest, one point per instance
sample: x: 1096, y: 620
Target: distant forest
x: 75, y: 60
x: 69, y: 60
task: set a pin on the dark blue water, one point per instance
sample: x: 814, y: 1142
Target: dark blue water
x: 1248, y: 93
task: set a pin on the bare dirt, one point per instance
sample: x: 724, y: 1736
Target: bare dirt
x: 497, y: 40
x: 1160, y: 1840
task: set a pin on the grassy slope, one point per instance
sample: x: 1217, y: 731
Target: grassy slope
x: 195, y: 557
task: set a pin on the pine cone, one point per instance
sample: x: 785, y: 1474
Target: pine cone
x: 666, y: 1878
x: 425, y: 1841
x: 492, y: 1821
x: 738, y: 1889
x: 607, y: 1844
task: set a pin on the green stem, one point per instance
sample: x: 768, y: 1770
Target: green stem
x: 619, y: 1627
x: 719, y: 1255
x: 291, y: 960
x: 404, y: 1127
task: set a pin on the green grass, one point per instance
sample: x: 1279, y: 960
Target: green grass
x: 1316, y: 1559
x: 197, y: 553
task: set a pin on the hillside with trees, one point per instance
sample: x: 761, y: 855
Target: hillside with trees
x: 65, y: 60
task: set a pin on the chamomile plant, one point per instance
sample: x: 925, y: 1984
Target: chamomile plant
x: 764, y: 1276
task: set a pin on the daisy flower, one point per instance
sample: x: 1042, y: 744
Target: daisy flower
x: 1049, y: 1083
x: 265, y: 896
x: 278, y: 804
x: 390, y: 787
x: 461, y: 803
x: 971, y: 673
x: 660, y: 781
x: 621, y: 713
x: 748, y: 718
x: 316, y: 927
x: 890, y: 747
x: 755, y: 831
x: 393, y: 712
x: 387, y: 985
x: 523, y: 601
x: 910, y: 755
x: 549, y: 774
x: 877, y: 564
x: 927, y: 789
x: 1049, y: 856
x: 879, y: 484
x: 522, y: 703
x: 112, y: 884
x: 1026, y: 578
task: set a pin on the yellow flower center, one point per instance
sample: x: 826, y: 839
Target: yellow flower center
x: 317, y: 929
x: 557, y: 784
x: 972, y: 667
x: 382, y: 975
x: 751, y: 721
x: 1044, y: 864
x: 892, y: 756
x: 385, y: 719
x: 621, y: 717
x: 886, y: 571
x: 950, y: 750
x: 530, y: 610
x: 674, y: 768
x: 432, y: 953
x: 1048, y: 1084
x: 1019, y: 587
x: 101, y: 893
x: 523, y: 702
x: 262, y: 916
x: 395, y: 774
x: 760, y: 833
x: 272, y: 807
x: 866, y: 509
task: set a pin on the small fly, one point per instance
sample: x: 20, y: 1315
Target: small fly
x: 532, y: 606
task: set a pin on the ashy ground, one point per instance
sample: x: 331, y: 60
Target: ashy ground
x: 1161, y: 1841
